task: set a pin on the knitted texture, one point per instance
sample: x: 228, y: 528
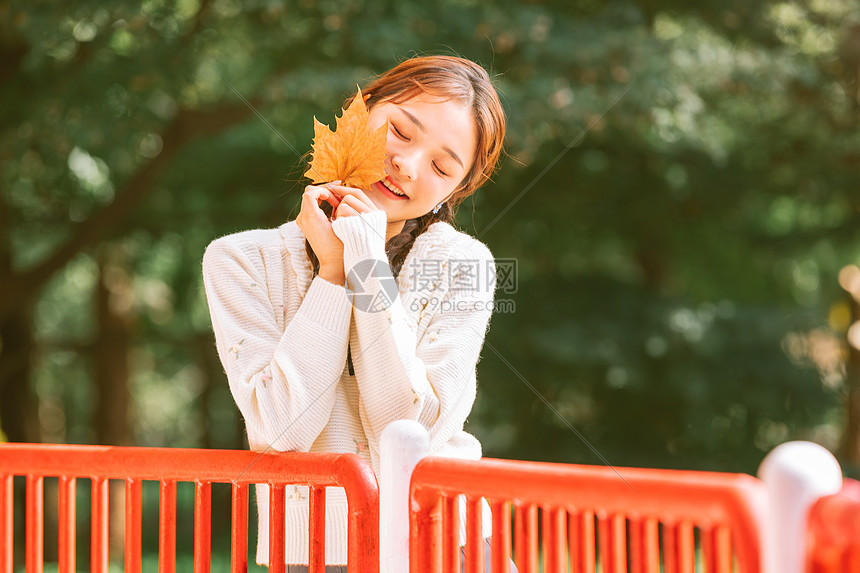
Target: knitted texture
x: 282, y: 337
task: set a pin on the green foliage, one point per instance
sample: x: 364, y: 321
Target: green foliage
x: 667, y: 259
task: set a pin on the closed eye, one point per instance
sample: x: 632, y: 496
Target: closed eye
x: 442, y: 173
x: 399, y: 134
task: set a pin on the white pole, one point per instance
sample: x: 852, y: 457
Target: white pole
x: 796, y: 474
x: 402, y: 445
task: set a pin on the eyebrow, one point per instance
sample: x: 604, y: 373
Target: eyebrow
x: 420, y: 126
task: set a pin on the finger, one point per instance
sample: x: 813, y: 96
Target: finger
x: 357, y: 204
x: 332, y: 198
x: 314, y: 195
x: 320, y: 194
x: 353, y: 191
x: 311, y: 204
x: 345, y: 210
x: 331, y: 187
x: 317, y: 191
x: 344, y: 190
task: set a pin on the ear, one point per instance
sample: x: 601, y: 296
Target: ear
x: 366, y: 97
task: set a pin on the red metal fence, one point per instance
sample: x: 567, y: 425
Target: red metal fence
x: 834, y: 532
x: 556, y: 516
x: 547, y: 517
x: 99, y: 464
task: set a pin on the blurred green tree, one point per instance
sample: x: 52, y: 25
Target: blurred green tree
x: 677, y: 249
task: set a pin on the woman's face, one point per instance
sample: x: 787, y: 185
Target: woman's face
x: 430, y: 149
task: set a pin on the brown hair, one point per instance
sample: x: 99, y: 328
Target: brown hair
x: 449, y: 78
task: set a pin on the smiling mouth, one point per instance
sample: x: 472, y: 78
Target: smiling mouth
x: 389, y: 186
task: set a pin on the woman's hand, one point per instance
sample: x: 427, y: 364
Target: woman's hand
x: 316, y: 227
x: 352, y: 201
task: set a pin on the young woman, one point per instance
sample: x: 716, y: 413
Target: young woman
x: 370, y: 306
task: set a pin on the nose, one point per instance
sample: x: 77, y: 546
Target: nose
x: 405, y: 165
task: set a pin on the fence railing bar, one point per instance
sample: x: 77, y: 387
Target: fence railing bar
x: 670, y: 547
x: 451, y: 532
x: 277, y: 509
x: 133, y: 525
x: 474, y: 536
x: 559, y: 533
x: 650, y: 545
x: 635, y: 555
x: 202, y: 526
x: 316, y: 540
x: 35, y: 520
x: 544, y: 539
x: 239, y: 528
x: 501, y: 537
x: 167, y: 526
x: 67, y: 527
x: 573, y: 535
x: 588, y: 541
x: 99, y: 549
x: 7, y: 523
x: 617, y: 543
x: 686, y: 547
x: 526, y: 537
x: 603, y: 543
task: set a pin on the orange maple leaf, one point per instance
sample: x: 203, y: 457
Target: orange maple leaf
x: 353, y: 153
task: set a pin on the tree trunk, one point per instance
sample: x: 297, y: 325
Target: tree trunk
x: 19, y: 410
x: 115, y: 319
x: 851, y: 439
x: 19, y: 413
x: 111, y: 350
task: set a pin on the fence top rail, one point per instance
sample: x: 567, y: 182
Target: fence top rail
x: 834, y: 520
x: 671, y: 496
x: 184, y: 464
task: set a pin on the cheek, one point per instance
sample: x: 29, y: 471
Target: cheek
x: 435, y: 188
x: 390, y: 140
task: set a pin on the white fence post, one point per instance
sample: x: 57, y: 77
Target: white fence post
x: 402, y: 445
x: 796, y: 474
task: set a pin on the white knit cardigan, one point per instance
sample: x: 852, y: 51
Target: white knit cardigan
x: 282, y: 336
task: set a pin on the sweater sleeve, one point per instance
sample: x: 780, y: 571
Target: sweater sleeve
x: 431, y: 380
x: 282, y: 381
